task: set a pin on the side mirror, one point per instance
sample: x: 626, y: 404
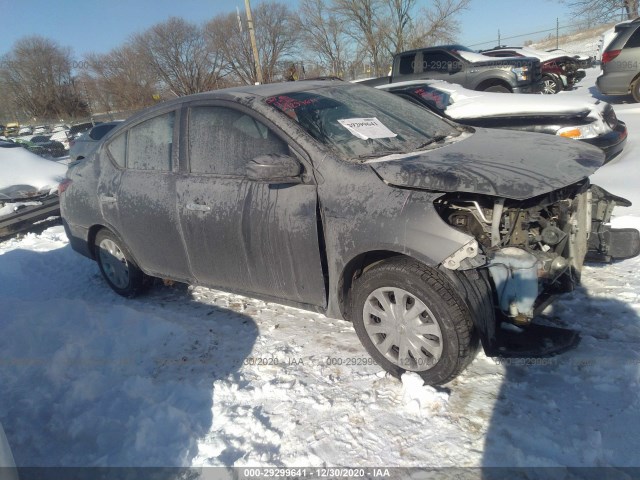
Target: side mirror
x: 274, y: 168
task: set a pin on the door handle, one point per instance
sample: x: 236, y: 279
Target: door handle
x: 198, y: 207
x: 107, y: 199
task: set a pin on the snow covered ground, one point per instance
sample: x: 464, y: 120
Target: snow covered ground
x: 193, y: 377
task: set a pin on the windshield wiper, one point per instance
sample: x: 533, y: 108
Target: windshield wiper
x: 436, y: 139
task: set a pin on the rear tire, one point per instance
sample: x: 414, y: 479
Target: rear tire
x: 410, y: 317
x: 117, y: 265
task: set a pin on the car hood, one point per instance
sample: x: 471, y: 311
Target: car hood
x: 500, y: 163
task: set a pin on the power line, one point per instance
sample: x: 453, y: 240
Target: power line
x: 554, y: 29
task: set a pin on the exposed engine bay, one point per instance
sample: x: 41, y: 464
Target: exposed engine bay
x: 535, y: 249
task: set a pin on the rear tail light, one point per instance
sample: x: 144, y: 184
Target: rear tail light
x: 608, y: 56
x: 66, y: 183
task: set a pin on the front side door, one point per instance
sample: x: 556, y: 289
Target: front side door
x: 140, y: 202
x: 441, y: 65
x: 244, y: 235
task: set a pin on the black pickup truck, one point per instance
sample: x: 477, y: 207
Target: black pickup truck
x: 461, y: 65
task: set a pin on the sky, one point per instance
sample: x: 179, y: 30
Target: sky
x: 90, y: 26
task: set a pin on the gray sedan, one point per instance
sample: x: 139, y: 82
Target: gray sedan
x: 350, y: 201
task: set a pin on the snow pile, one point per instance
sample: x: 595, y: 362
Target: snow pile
x: 24, y: 173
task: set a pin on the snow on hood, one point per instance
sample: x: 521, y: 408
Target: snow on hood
x: 466, y: 104
x: 24, y: 174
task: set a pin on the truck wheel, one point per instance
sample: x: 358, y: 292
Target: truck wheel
x: 410, y: 317
x: 497, y: 89
x: 550, y: 85
x: 117, y: 266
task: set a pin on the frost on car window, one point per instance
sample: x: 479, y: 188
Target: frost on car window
x: 150, y: 144
x: 117, y: 149
x: 223, y: 140
x: 320, y: 111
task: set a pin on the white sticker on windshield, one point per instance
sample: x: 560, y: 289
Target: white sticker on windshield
x: 366, y: 128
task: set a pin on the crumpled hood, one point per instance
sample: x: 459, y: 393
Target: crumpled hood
x: 500, y: 163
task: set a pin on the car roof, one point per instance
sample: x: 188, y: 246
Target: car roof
x: 240, y: 94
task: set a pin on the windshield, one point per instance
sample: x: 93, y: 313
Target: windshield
x: 360, y: 123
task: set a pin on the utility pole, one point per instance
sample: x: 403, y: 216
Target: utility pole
x: 557, y: 32
x: 499, y: 44
x: 254, y: 46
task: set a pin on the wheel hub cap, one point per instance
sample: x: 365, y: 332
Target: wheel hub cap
x: 403, y: 329
x: 114, y: 263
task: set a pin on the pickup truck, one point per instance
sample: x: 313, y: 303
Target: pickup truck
x: 461, y: 65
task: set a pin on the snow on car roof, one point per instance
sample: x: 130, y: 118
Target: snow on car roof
x: 23, y: 173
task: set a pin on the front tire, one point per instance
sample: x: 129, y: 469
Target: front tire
x: 550, y: 86
x: 410, y: 317
x: 117, y: 265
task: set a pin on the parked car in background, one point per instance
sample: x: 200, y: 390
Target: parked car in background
x: 593, y: 122
x: 621, y: 62
x: 40, y: 130
x: 62, y: 137
x: 461, y: 65
x: 25, y: 131
x: 49, y: 147
x: 12, y: 129
x: 75, y: 131
x: 88, y: 141
x: 559, y: 71
x: 28, y: 189
x: 347, y: 200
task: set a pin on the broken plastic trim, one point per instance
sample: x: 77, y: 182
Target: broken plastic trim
x: 465, y: 258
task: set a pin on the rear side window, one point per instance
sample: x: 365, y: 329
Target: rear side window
x: 100, y: 131
x: 406, y: 64
x: 223, y: 140
x: 634, y: 40
x: 150, y: 144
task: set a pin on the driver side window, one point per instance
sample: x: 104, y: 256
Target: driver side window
x: 222, y: 141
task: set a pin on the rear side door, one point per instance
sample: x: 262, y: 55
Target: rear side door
x: 139, y: 202
x: 244, y: 235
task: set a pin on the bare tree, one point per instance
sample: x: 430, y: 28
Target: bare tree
x: 439, y: 24
x: 400, y: 23
x: 178, y: 53
x: 323, y: 34
x: 275, y: 33
x: 602, y: 11
x: 364, y: 20
x: 37, y: 74
x: 120, y: 80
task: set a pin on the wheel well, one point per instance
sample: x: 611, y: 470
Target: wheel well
x: 91, y: 239
x: 493, y: 83
x: 633, y: 81
x: 356, y: 267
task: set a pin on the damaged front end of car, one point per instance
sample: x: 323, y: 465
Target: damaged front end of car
x: 533, y: 251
